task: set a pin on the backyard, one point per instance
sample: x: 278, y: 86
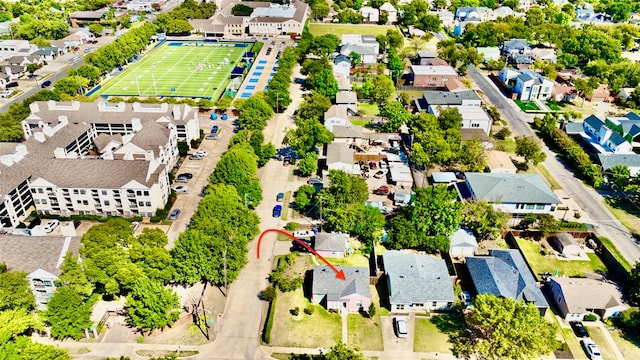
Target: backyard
x: 179, y: 69
x: 549, y: 264
x: 338, y: 30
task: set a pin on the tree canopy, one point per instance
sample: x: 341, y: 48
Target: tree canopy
x: 238, y: 167
x: 15, y: 292
x: 68, y: 314
x: 151, y: 306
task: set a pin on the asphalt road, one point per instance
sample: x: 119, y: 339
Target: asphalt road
x: 586, y: 197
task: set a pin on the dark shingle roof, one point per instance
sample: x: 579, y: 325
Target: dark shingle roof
x: 511, y: 188
x: 609, y: 160
x: 434, y: 97
x: 416, y: 278
x: 29, y: 253
x: 325, y: 282
x: 330, y: 241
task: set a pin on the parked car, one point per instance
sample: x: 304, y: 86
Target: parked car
x: 592, y: 350
x: 400, y: 325
x: 211, y: 137
x: 135, y: 225
x: 15, y: 84
x: 380, y: 174
x: 201, y: 153
x: 297, y: 246
x: 215, y: 129
x: 383, y: 164
x: 174, y: 214
x: 51, y: 225
x: 181, y: 189
x: 187, y: 175
x: 182, y: 179
x: 382, y: 190
x: 224, y: 117
x: 466, y: 299
x: 303, y: 234
x: 372, y: 165
x: 277, y: 211
x: 6, y: 93
x: 286, y: 161
x: 195, y: 157
x: 314, y: 180
x: 280, y: 197
x: 578, y: 329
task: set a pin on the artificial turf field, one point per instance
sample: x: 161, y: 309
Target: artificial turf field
x: 179, y: 69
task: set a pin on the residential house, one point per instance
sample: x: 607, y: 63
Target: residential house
x: 447, y: 18
x: 49, y: 53
x: 482, y: 13
x: 527, y: 84
x: 516, y: 194
x: 460, y: 26
x: 336, y: 115
x: 392, y: 13
x: 331, y: 245
x: 473, y: 117
x: 340, y: 157
x: 24, y: 60
x: 348, y: 99
x: 86, y: 18
x: 564, y: 93
x: 5, y: 28
x: 566, y: 244
x: 505, y: 273
x: 617, y: 135
x: 344, y: 83
x: 40, y: 257
x: 350, y: 134
x: 432, y: 76
x: 525, y: 5
x: 444, y: 177
x: 489, y: 53
x: 364, y: 45
x: 609, y: 160
x: 435, y: 98
x: 503, y: 11
x: 14, y: 71
x: 585, y: 13
x: 515, y: 46
x: 600, y: 94
x: 400, y: 175
x: 455, y: 85
x: 4, y: 79
x: 142, y: 5
x: 417, y: 282
x: 462, y: 243
x: 544, y: 54
x: 352, y: 294
x: 369, y: 14
x: 10, y: 48
x: 426, y: 57
x: 342, y: 66
x: 499, y: 162
x: 577, y: 297
x: 625, y: 93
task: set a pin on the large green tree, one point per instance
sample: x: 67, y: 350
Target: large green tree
x: 151, y: 306
x: 15, y: 292
x: 15, y: 342
x: 74, y: 276
x: 148, y: 253
x: 483, y: 219
x: 254, y: 113
x: 68, y: 314
x: 531, y: 149
x: 504, y: 328
x: 323, y: 82
x: 238, y: 167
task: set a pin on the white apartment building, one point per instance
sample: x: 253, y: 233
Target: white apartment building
x: 11, y: 48
x: 93, y: 158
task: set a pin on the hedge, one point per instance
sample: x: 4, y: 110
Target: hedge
x: 266, y: 334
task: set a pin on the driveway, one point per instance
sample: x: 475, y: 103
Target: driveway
x: 586, y: 197
x: 392, y: 343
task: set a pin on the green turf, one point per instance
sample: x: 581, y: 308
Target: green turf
x: 318, y: 29
x: 192, y: 71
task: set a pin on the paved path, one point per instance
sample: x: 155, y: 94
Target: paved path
x: 586, y: 197
x: 345, y: 326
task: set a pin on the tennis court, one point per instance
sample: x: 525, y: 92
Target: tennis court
x: 179, y: 69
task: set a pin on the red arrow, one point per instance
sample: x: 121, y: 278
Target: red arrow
x: 339, y: 273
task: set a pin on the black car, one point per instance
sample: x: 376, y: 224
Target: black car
x: 45, y: 84
x: 187, y: 175
x: 299, y: 247
x: 12, y: 84
x: 579, y: 329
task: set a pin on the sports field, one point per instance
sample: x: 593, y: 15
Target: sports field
x: 179, y: 69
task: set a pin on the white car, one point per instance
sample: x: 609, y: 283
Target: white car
x: 304, y: 234
x: 400, y: 325
x: 181, y: 189
x: 466, y: 299
x: 201, y: 153
x: 592, y: 350
x: 51, y: 225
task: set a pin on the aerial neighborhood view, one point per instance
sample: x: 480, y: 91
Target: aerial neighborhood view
x: 320, y: 179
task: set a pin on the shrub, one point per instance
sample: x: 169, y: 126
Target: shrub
x: 590, y: 317
x: 295, y: 311
x: 291, y: 226
x: 503, y: 133
x: 140, y: 339
x: 268, y: 294
x: 309, y: 310
x: 266, y: 334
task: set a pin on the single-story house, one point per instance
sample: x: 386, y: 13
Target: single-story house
x: 348, y: 99
x: 473, y: 117
x: 516, y: 46
x: 349, y: 134
x: 601, y: 94
x: 49, y: 52
x: 364, y: 45
x: 462, y: 243
x: 424, y: 56
x: 505, y: 273
x: 344, y: 83
x: 626, y: 92
x: 513, y: 193
x: 435, y: 98
x: 631, y: 161
x: 564, y: 93
x: 544, y: 54
x: 392, y: 13
x: 432, y: 76
x: 340, y: 157
x: 417, y: 282
x: 369, y: 14
x: 332, y: 245
x: 489, y: 53
x: 577, y: 297
x: 351, y: 294
x: 503, y: 11
x: 446, y: 18
x: 566, y: 244
x: 499, y: 162
x: 336, y: 115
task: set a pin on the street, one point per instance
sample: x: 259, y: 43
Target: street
x: 586, y: 197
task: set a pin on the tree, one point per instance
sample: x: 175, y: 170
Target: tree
x: 634, y: 285
x: 150, y: 306
x: 324, y: 45
x: 430, y: 22
x: 255, y: 112
x: 355, y: 58
x: 481, y: 218
x: 308, y: 164
x: 238, y: 167
x: 74, y: 276
x: 344, y: 189
x: 241, y: 10
x: 323, y: 82
x: 15, y: 343
x: 472, y: 156
x: 224, y: 103
x: 341, y: 351
x: 304, y: 197
x: 396, y: 115
x: 15, y: 292
x: 449, y: 118
x: 71, y: 85
x: 68, y: 314
x: 320, y: 9
x: 32, y: 68
x: 530, y: 148
x: 313, y: 106
x: 307, y: 135
x: 372, y: 310
x: 395, y: 38
x: 88, y: 72
x: 504, y: 328
x: 383, y: 88
x: 96, y: 29
x: 148, y: 253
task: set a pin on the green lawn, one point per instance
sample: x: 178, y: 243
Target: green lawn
x: 285, y: 205
x: 428, y: 338
x: 626, y: 347
x: 571, y: 268
x: 526, y: 105
x: 598, y: 337
x: 338, y: 30
x: 355, y: 259
x: 507, y: 145
x: 364, y: 332
x: 547, y: 175
x: 573, y: 343
x: 553, y: 106
x: 183, y: 70
x: 359, y: 122
x: 368, y: 109
x: 321, y: 329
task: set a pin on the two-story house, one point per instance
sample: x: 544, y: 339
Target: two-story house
x: 527, y: 84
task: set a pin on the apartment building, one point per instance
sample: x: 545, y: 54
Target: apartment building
x: 93, y: 158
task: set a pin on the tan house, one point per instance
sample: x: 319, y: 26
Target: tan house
x: 499, y: 162
x: 576, y: 297
x: 432, y: 76
x: 601, y: 94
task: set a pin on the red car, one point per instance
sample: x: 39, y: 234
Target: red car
x: 382, y: 190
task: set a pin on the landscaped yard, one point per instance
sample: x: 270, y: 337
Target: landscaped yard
x: 321, y: 329
x: 598, y: 337
x: 428, y: 338
x: 364, y: 332
x: 626, y: 347
x: 359, y: 122
x: 507, y: 145
x: 571, y: 268
x: 355, y: 259
x: 526, y: 105
x: 553, y: 106
x: 573, y: 343
x: 338, y: 30
x: 368, y: 109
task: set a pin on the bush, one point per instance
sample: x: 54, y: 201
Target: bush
x: 590, y: 317
x: 309, y: 310
x: 291, y: 226
x: 503, y: 133
x: 268, y: 294
x: 295, y: 311
x: 266, y: 334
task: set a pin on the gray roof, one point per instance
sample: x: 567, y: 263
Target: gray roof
x: 416, y: 278
x: 29, y: 253
x: 346, y: 97
x: 526, y: 77
x: 331, y: 242
x: 610, y: 160
x: 511, y: 188
x: 581, y: 294
x: 443, y: 177
x: 565, y: 239
x: 426, y: 54
x: 348, y: 131
x: 435, y: 97
x: 358, y: 49
x: 325, y: 282
x: 463, y: 237
x: 505, y: 273
x: 515, y: 44
x: 339, y: 152
x: 339, y: 111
